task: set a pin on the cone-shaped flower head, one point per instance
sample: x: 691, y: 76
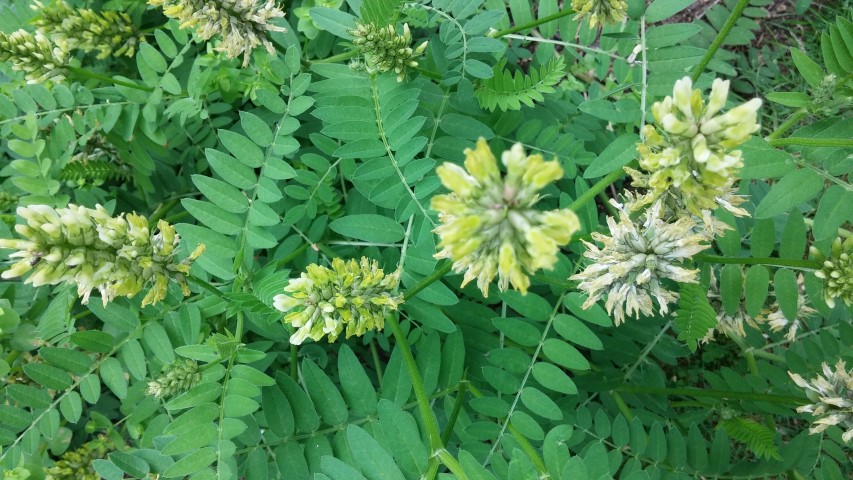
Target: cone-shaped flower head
x: 350, y: 297
x: 489, y: 223
x: 688, y: 152
x: 837, y: 272
x: 176, y: 378
x: 33, y: 54
x: 117, y: 255
x: 108, y: 32
x: 385, y: 50
x: 634, y: 261
x: 832, y: 397
x: 242, y: 24
x: 601, y: 12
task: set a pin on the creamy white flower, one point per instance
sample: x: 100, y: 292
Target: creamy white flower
x: 832, y: 397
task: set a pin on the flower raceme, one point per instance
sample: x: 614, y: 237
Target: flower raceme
x: 489, y: 226
x: 242, y: 24
x: 385, y: 50
x: 836, y: 272
x: 117, y: 255
x: 108, y: 32
x: 832, y: 397
x: 350, y: 297
x: 34, y: 54
x: 601, y: 12
x: 176, y: 378
x: 688, y: 152
x: 635, y: 259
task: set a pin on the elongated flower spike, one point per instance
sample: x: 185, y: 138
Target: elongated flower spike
x: 175, y: 379
x: 241, y: 24
x: 350, y: 297
x: 34, y: 54
x: 385, y: 50
x: 629, y: 269
x: 87, y: 247
x: 836, y: 272
x: 832, y: 399
x: 110, y: 33
x: 688, y: 152
x: 601, y: 12
x: 489, y: 224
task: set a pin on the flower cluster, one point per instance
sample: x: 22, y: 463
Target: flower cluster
x: 108, y: 32
x: 601, y: 11
x: 176, y: 378
x: 77, y: 464
x: 242, y: 24
x: 352, y: 295
x: 386, y: 51
x: 836, y: 272
x: 117, y: 255
x: 636, y: 259
x: 688, y: 152
x: 489, y: 223
x: 33, y: 54
x: 777, y: 320
x: 832, y: 394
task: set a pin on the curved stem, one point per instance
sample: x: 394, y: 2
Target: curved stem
x: 811, y: 142
x: 451, y: 463
x: 718, y: 40
x: 773, y: 262
x: 534, y: 23
x: 699, y: 392
x: 596, y: 189
x: 337, y: 58
x: 439, y: 272
x: 81, y: 72
x: 787, y: 124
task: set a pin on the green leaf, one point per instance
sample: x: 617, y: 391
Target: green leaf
x: 361, y: 148
x: 239, y: 406
x: 791, y: 190
x: 731, y: 288
x: 197, y: 436
x: 152, y: 57
x: 192, y: 463
x: 157, y: 341
x: 553, y: 378
x: 660, y: 10
x: 759, y: 439
x: 336, y: 22
x: 130, y: 464
x: 14, y: 418
x: 257, y: 129
x: 252, y: 375
x: 368, y: 227
x: 624, y: 110
x: 793, y: 242
x: 69, y: 360
x: 113, y: 376
x: 404, y: 439
x: 93, y: 341
x: 306, y: 418
x: 617, y: 154
x: 789, y: 99
x: 380, y: 12
x: 356, y: 386
x: 277, y: 411
x: 325, y: 395
x: 808, y: 68
x: 670, y: 34
x: 539, y: 403
x: 576, y: 332
x: 230, y: 169
x: 786, y: 291
x: 222, y: 194
x: 834, y: 210
x: 561, y: 353
x: 373, y: 461
x: 47, y: 376
x: 71, y: 407
x: 755, y: 288
x: 203, y: 393
x: 695, y: 316
x: 763, y: 238
x: 245, y: 150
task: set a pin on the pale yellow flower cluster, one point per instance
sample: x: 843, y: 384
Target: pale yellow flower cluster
x: 832, y: 397
x: 836, y: 272
x: 688, y: 153
x: 241, y: 24
x: 119, y: 256
x: 489, y: 224
x: 34, y: 54
x: 386, y: 51
x: 110, y: 33
x: 601, y: 12
x: 350, y: 297
x: 175, y: 379
x: 636, y: 258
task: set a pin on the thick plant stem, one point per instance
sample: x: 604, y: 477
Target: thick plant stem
x: 773, y: 262
x: 811, y: 142
x: 338, y: 58
x: 700, y: 392
x: 719, y: 39
x: 534, y: 23
x: 81, y: 72
x: 427, y: 281
x: 430, y: 422
x: 451, y: 463
x: 787, y: 124
x: 596, y: 189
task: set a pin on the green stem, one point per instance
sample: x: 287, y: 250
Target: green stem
x: 294, y: 362
x: 774, y: 262
x: 430, y: 422
x: 210, y: 288
x: 454, y: 414
x: 292, y: 255
x: 596, y: 189
x: 337, y: 58
x: 718, y: 40
x: 451, y: 463
x: 557, y: 282
x: 439, y: 272
x: 534, y: 23
x: 811, y: 142
x: 81, y: 72
x: 622, y: 406
x: 787, y: 124
x: 699, y: 392
x: 377, y: 364
x: 162, y: 210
